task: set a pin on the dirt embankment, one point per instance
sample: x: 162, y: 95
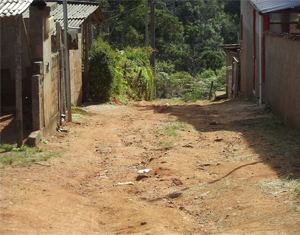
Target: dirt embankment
x: 212, y: 172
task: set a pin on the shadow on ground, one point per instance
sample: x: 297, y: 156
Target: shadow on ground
x: 276, y: 144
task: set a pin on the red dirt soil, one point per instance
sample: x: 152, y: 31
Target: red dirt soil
x: 207, y: 183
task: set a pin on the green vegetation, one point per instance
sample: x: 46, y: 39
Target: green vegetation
x: 188, y: 57
x: 43, y: 141
x: 6, y: 147
x: 182, y: 85
x: 170, y: 128
x: 298, y: 24
x: 23, y: 156
x: 78, y: 113
x: 165, y: 145
x: 124, y: 74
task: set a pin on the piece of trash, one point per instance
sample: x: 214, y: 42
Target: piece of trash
x: 115, y: 100
x: 144, y: 171
x: 143, y: 223
x: 60, y: 130
x: 188, y: 146
x: 218, y: 140
x: 125, y: 183
x: 213, y: 123
x: 63, y: 117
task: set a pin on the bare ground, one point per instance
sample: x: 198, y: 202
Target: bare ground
x: 207, y: 180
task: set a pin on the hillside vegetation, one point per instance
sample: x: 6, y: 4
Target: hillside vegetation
x: 187, y: 39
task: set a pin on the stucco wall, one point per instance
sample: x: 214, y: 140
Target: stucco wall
x: 283, y: 79
x: 45, y: 81
x: 76, y: 73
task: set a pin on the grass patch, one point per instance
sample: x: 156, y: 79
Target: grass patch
x: 77, y: 117
x: 24, y: 156
x: 165, y: 145
x: 170, y: 101
x: 74, y: 108
x: 171, y: 128
x: 288, y: 187
x: 6, y: 147
x: 274, y: 136
x: 281, y: 186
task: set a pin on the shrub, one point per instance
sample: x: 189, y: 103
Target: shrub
x: 132, y: 61
x: 103, y: 78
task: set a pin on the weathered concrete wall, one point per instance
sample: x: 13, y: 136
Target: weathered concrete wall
x: 45, y: 80
x: 48, y: 100
x: 76, y: 73
x: 283, y: 79
x: 7, y: 63
x: 247, y: 49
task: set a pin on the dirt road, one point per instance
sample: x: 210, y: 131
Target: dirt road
x: 212, y: 173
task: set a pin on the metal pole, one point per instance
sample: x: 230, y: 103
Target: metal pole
x: 67, y: 62
x: 18, y: 82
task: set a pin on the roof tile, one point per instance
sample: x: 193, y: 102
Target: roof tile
x: 13, y: 7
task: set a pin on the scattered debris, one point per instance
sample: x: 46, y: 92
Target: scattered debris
x: 218, y: 139
x: 188, y: 146
x: 143, y: 223
x: 125, y: 183
x: 174, y: 194
x: 177, y: 181
x: 144, y: 171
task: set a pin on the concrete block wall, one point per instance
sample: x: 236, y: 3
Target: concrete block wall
x: 283, y: 79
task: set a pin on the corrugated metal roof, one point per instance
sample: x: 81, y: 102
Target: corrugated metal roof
x: 77, y: 13
x: 265, y: 6
x: 10, y: 8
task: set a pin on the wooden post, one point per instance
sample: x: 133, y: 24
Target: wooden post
x: 18, y: 80
x: 67, y: 61
x: 211, y: 86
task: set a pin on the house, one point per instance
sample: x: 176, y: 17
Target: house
x: 42, y: 67
x: 233, y: 69
x: 270, y: 55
